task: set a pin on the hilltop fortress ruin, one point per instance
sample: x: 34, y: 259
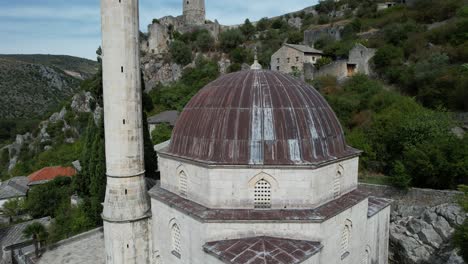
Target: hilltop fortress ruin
x: 193, y: 18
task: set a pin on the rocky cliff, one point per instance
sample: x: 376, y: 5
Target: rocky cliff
x: 422, y: 224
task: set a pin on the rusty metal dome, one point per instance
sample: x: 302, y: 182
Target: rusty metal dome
x: 259, y: 117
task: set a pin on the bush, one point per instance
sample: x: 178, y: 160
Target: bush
x: 204, y: 41
x: 180, y: 52
x: 231, y: 39
x: 400, y: 179
x: 44, y: 200
x: 322, y: 62
x: 248, y: 29
x: 161, y: 133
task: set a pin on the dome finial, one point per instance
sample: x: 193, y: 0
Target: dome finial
x: 256, y: 65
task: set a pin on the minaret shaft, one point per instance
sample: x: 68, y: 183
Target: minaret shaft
x: 126, y: 206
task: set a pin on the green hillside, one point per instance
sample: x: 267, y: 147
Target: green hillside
x: 86, y: 68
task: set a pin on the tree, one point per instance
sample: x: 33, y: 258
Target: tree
x: 43, y: 200
x: 248, y: 29
x: 13, y: 208
x: 180, y: 52
x: 204, y: 41
x: 400, y: 179
x: 37, y: 232
x: 161, y: 133
x: 461, y: 233
x: 263, y: 24
x: 231, y: 39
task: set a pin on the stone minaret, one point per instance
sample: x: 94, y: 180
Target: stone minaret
x: 194, y: 12
x: 126, y: 207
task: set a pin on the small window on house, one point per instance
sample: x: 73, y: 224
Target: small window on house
x: 278, y: 60
x: 313, y: 58
x: 362, y: 53
x: 297, y: 59
x: 183, y: 184
x: 262, y: 194
x: 277, y: 68
x: 289, y: 60
x: 175, y: 234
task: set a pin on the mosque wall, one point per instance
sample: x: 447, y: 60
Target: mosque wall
x: 364, y: 234
x: 234, y: 187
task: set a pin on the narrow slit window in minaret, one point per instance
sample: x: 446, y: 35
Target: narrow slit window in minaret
x: 125, y: 191
x: 121, y: 69
x: 123, y: 121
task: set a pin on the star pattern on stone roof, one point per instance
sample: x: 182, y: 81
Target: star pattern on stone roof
x: 262, y: 250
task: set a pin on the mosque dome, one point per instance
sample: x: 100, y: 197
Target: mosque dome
x: 259, y: 117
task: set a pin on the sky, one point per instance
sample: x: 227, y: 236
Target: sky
x: 72, y: 27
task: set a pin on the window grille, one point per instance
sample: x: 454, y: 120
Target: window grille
x: 366, y: 257
x: 262, y: 194
x: 337, y: 182
x: 345, y: 240
x: 183, y: 184
x: 176, y: 239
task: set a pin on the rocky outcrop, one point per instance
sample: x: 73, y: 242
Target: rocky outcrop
x: 422, y: 224
x: 424, y: 235
x: 156, y: 70
x: 41, y: 141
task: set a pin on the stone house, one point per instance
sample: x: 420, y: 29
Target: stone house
x: 357, y: 62
x: 14, y: 188
x: 290, y: 58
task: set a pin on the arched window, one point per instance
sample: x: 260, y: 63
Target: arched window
x: 262, y: 194
x: 366, y: 256
x: 183, y: 184
x: 345, y: 239
x: 337, y: 181
x: 175, y: 233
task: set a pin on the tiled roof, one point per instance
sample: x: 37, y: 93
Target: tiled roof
x: 14, y: 187
x: 304, y: 48
x: 13, y: 235
x: 264, y: 250
x: 164, y: 117
x: 259, y: 117
x: 50, y: 173
x: 376, y: 205
x: 205, y: 214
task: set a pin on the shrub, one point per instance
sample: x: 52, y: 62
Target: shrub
x: 161, y: 133
x: 180, y: 52
x: 400, y: 179
x: 322, y: 62
x: 205, y: 41
x: 247, y: 29
x: 231, y: 39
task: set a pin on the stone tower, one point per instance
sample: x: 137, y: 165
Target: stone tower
x: 126, y: 207
x: 194, y: 12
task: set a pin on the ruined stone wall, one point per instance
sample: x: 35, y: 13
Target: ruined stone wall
x: 336, y: 68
